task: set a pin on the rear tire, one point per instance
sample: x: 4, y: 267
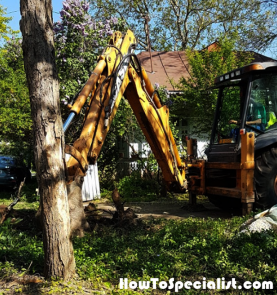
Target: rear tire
x: 265, y: 178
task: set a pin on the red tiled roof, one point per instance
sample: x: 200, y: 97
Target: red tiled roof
x: 167, y: 66
x: 173, y: 65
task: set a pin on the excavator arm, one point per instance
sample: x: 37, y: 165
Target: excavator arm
x: 118, y: 73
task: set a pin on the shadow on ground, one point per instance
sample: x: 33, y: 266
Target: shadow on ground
x: 170, y: 210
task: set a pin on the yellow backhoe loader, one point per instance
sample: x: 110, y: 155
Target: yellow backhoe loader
x: 241, y: 165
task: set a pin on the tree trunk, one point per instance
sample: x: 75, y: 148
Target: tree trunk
x: 39, y: 59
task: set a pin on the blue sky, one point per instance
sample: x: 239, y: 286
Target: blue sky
x: 13, y: 10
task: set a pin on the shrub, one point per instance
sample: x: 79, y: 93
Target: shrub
x: 135, y: 187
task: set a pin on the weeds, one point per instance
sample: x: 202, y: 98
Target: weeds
x: 29, y: 197
x: 187, y: 249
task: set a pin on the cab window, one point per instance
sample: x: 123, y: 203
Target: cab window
x: 230, y: 108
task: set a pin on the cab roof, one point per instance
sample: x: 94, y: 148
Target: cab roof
x: 240, y: 72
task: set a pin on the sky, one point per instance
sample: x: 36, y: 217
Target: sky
x: 13, y: 10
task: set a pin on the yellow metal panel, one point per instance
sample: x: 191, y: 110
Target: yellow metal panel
x: 151, y: 121
x: 81, y: 99
x: 150, y: 89
x: 215, y: 165
x: 247, y: 164
x: 225, y: 140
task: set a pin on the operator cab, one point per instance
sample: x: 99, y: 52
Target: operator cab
x: 247, y: 99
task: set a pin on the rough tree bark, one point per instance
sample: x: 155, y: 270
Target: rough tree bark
x: 39, y: 59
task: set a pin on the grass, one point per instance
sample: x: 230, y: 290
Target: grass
x: 187, y: 249
x: 28, y: 200
x: 106, y: 196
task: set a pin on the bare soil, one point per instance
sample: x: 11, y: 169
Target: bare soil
x: 168, y: 210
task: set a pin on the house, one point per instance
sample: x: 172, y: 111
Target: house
x: 173, y: 65
x: 168, y: 68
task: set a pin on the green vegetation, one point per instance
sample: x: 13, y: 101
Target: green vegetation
x: 187, y: 249
x: 198, y: 99
x: 144, y: 183
x: 136, y: 188
x: 4, y: 28
x: 28, y: 197
x: 16, y: 136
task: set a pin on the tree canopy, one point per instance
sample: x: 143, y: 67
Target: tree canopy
x: 189, y: 23
x: 4, y: 27
x: 15, y: 112
x: 15, y: 121
x: 265, y: 36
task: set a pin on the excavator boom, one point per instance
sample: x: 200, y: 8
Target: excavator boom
x: 118, y: 73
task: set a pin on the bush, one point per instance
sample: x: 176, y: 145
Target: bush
x: 135, y: 187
